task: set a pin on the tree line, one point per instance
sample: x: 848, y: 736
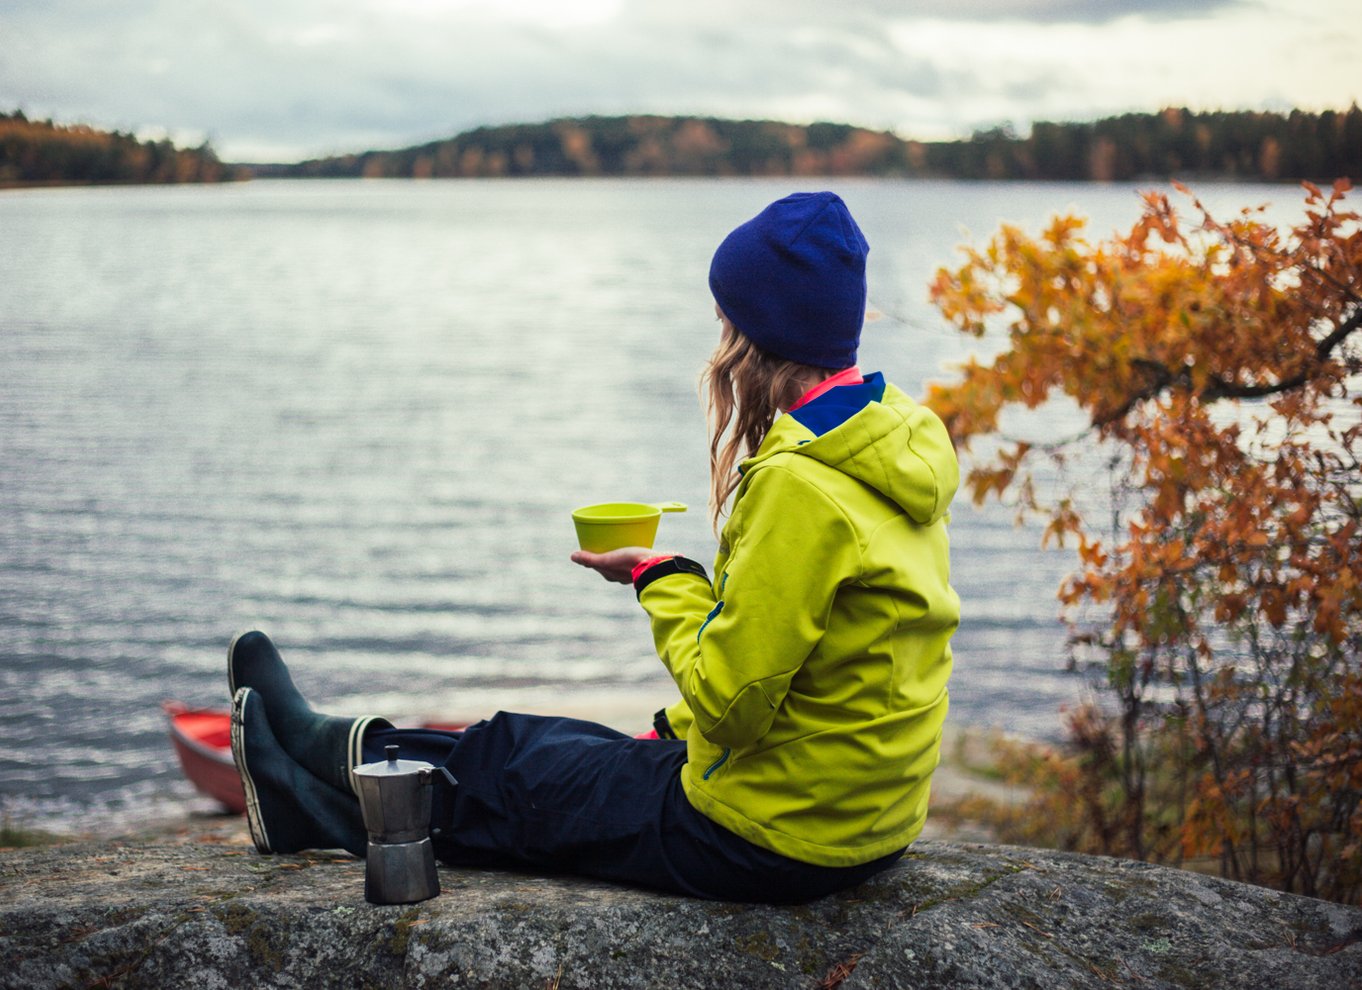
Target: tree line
x: 1173, y: 143
x: 39, y: 152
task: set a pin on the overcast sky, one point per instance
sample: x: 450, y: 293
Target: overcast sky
x: 279, y: 80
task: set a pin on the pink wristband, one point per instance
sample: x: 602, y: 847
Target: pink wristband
x: 643, y: 565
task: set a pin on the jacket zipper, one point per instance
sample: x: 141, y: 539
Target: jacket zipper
x: 714, y: 614
x: 717, y: 763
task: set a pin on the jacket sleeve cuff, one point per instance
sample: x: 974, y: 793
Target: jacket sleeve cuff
x: 664, y: 567
x: 662, y: 726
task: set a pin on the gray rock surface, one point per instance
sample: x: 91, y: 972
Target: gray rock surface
x: 202, y: 910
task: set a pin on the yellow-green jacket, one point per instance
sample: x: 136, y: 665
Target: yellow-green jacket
x: 813, y: 668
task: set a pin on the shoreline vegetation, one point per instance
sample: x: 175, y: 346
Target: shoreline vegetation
x: 41, y: 153
x: 1173, y: 143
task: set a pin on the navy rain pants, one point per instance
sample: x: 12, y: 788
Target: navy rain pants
x: 564, y: 795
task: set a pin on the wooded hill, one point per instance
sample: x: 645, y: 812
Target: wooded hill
x: 34, y: 152
x: 1174, y: 143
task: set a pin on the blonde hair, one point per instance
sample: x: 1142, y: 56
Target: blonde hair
x: 745, y: 388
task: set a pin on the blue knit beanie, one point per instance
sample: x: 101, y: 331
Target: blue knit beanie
x: 792, y: 280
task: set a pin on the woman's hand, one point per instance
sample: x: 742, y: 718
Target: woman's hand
x: 615, y: 565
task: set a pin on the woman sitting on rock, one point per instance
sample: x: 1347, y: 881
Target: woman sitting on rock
x: 811, y: 666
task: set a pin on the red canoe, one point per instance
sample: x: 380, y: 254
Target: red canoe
x: 202, y: 738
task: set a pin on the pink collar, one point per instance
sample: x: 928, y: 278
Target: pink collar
x: 850, y: 376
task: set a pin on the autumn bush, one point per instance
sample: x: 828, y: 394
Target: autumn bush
x: 1215, y: 367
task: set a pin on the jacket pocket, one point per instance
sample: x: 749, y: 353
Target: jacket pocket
x: 713, y: 614
x: 723, y: 758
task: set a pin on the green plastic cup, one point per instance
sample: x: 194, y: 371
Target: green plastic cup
x: 611, y: 525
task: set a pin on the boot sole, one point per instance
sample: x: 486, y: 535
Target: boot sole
x: 259, y: 834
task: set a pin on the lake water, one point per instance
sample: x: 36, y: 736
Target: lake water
x: 358, y: 414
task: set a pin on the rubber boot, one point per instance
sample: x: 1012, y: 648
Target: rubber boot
x: 327, y: 746
x: 288, y: 809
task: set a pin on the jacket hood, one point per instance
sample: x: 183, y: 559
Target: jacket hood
x: 876, y: 434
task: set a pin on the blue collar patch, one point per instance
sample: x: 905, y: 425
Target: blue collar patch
x: 837, y: 405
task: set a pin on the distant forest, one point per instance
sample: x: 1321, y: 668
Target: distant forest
x: 1175, y: 143
x: 39, y: 152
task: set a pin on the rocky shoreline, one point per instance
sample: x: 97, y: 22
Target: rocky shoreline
x: 199, y: 908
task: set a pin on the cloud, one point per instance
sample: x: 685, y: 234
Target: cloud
x: 281, y: 79
x: 968, y: 11
x: 1068, y: 11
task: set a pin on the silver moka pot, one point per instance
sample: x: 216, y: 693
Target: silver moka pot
x: 395, y: 799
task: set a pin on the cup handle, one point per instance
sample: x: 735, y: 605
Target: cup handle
x: 671, y: 506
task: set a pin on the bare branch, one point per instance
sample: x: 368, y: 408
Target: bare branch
x: 1161, y: 378
x: 1219, y: 389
